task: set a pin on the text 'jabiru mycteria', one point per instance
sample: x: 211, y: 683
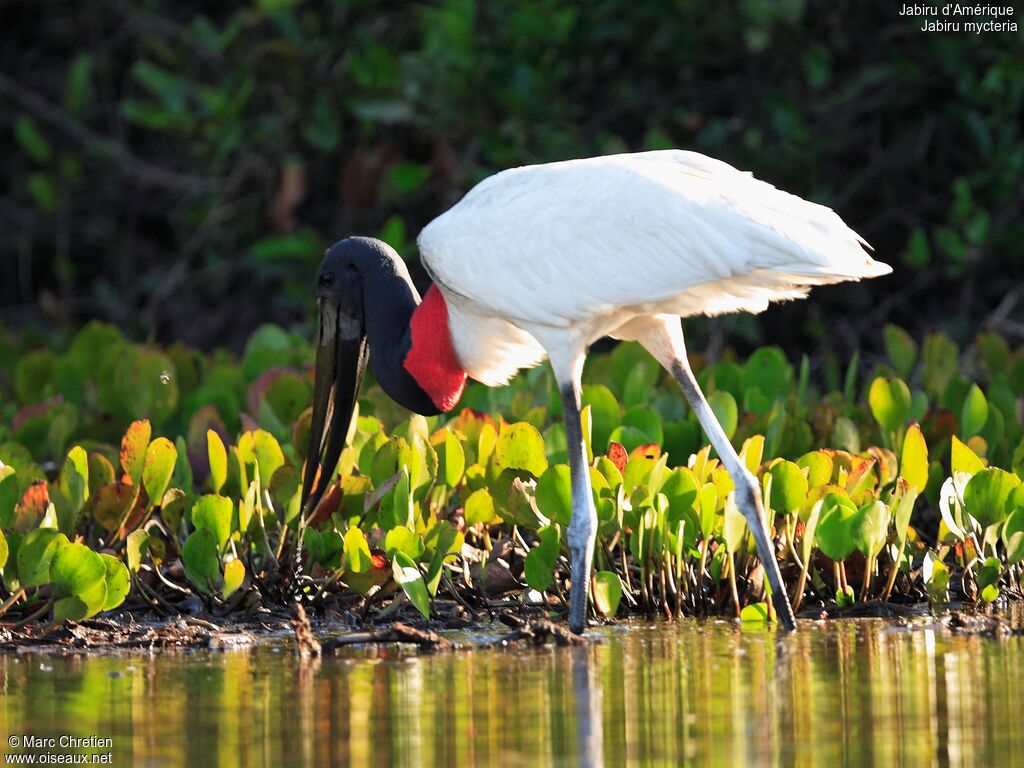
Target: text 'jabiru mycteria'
x: 542, y: 261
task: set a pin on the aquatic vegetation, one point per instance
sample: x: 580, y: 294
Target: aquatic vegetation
x: 903, y: 486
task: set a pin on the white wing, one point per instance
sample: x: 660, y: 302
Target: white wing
x: 668, y: 231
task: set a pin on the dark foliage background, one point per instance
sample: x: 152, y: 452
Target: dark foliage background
x: 179, y: 167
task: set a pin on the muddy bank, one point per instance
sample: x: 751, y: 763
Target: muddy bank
x: 322, y: 635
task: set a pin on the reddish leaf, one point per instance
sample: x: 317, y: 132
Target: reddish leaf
x: 618, y: 456
x: 30, y: 510
x: 652, y: 451
x: 328, y: 505
x: 140, y: 510
x: 108, y: 503
x: 36, y: 409
x: 133, y: 448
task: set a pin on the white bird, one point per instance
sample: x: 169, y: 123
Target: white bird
x: 543, y: 260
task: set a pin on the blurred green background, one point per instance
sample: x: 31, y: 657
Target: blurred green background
x: 178, y: 167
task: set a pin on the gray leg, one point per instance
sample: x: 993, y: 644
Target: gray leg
x: 583, y: 527
x: 664, y: 339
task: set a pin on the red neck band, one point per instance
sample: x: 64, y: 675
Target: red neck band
x: 431, y: 359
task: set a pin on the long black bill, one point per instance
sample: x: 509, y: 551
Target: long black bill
x: 341, y: 357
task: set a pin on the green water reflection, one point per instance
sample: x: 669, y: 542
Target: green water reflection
x: 695, y: 694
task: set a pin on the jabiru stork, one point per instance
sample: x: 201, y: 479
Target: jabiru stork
x: 543, y: 260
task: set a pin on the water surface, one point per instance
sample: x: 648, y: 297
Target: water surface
x: 693, y: 693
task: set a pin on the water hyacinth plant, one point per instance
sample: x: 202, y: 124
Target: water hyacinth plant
x: 904, y: 487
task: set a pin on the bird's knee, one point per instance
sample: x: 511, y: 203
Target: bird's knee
x: 582, y: 531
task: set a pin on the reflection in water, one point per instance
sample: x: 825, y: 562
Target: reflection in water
x: 693, y: 693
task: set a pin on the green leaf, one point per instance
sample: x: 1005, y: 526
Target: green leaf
x: 78, y: 83
x: 680, y: 488
x: 755, y: 613
x: 605, y: 412
x: 261, y: 448
x: 554, y: 494
x: 890, y: 402
x: 10, y: 492
x: 161, y: 456
x: 768, y: 370
x: 914, y: 459
x: 901, y: 515
x: 540, y: 561
x: 451, y: 459
x: 35, y: 554
x: 479, y: 507
x: 988, y: 574
x: 134, y: 549
x: 987, y: 495
x: 644, y: 419
x: 870, y: 527
x: 445, y: 542
x: 900, y: 348
x: 936, y: 577
x: 538, y: 570
x: 735, y: 528
x: 789, y: 487
x: 810, y: 532
x: 218, y: 456
x: 72, y: 489
x: 214, y: 513
x: 169, y: 88
x: 964, y: 459
x: 724, y: 406
x: 1013, y: 536
x: 941, y: 362
x: 834, y: 533
x: 201, y: 560
x: 520, y: 446
x: 4, y: 551
x: 77, y: 571
x: 357, y: 551
x: 312, y: 544
x: 974, y: 413
x: 819, y: 468
x: 401, y: 539
x: 607, y: 592
x: 234, y: 575
x: 411, y: 581
x: 31, y: 139
x: 118, y: 582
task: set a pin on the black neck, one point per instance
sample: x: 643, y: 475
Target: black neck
x: 390, y: 298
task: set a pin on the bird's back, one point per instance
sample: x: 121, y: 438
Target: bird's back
x: 581, y: 248
x: 557, y: 243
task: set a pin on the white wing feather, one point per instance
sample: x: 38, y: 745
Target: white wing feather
x: 589, y: 244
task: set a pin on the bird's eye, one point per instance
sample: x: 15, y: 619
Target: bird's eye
x: 326, y: 279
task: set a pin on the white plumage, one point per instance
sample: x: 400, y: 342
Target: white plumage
x: 550, y: 257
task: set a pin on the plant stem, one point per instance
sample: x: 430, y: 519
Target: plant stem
x: 732, y: 584
x: 869, y: 566
x: 892, y: 573
x: 801, y: 585
x: 11, y: 601
x: 32, y: 617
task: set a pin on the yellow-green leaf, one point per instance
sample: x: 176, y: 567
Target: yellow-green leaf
x: 914, y: 459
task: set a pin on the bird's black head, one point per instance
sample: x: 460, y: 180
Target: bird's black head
x: 341, y: 356
x: 348, y: 263
x: 352, y: 270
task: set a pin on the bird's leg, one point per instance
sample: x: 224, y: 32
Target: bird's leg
x: 583, y: 527
x: 670, y: 351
